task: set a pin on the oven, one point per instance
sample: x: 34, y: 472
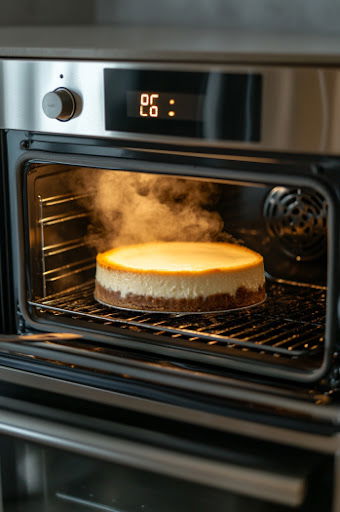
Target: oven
x: 113, y: 409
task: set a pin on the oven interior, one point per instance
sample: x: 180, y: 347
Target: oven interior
x: 74, y: 212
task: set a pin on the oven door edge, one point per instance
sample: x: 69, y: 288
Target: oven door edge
x: 168, y: 381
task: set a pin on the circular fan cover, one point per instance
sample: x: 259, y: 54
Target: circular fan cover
x: 297, y: 219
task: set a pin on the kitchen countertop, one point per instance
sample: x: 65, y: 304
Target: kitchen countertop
x: 104, y: 42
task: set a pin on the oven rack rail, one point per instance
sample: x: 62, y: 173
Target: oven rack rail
x: 291, y: 321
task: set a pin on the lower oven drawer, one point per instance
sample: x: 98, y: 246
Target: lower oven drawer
x: 52, y: 467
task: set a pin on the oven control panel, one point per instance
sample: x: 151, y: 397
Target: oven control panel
x: 203, y: 105
x: 254, y: 106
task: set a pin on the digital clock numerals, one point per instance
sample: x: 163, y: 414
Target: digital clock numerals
x: 149, y: 107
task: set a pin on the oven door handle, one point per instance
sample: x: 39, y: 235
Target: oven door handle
x: 261, y: 482
x: 46, y: 336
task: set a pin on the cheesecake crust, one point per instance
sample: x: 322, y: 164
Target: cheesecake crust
x: 217, y: 302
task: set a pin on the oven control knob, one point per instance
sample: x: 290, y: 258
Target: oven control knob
x: 59, y: 104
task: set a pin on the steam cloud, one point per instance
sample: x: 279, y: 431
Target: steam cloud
x: 130, y: 207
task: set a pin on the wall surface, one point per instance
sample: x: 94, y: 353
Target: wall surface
x: 320, y: 16
x: 307, y: 16
x: 46, y: 12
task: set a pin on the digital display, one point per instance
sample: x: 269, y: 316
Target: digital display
x: 206, y: 105
x: 164, y: 105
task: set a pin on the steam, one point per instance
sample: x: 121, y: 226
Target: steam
x: 130, y: 207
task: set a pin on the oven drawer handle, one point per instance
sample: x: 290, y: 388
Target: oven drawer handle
x: 284, y: 488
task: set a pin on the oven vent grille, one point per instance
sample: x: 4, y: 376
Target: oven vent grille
x: 296, y: 218
x: 289, y: 323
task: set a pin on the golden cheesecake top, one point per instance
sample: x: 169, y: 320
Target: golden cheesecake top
x: 185, y: 258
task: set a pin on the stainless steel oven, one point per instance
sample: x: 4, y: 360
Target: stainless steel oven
x: 154, y: 410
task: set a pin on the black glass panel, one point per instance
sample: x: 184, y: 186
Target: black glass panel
x: 206, y: 105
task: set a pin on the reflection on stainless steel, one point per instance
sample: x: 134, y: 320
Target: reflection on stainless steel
x: 299, y: 110
x: 50, y: 336
x: 30, y: 467
x: 86, y: 503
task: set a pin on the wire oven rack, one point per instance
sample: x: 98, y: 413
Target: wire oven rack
x: 291, y: 321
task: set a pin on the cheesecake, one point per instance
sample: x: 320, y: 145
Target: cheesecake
x: 180, y: 277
